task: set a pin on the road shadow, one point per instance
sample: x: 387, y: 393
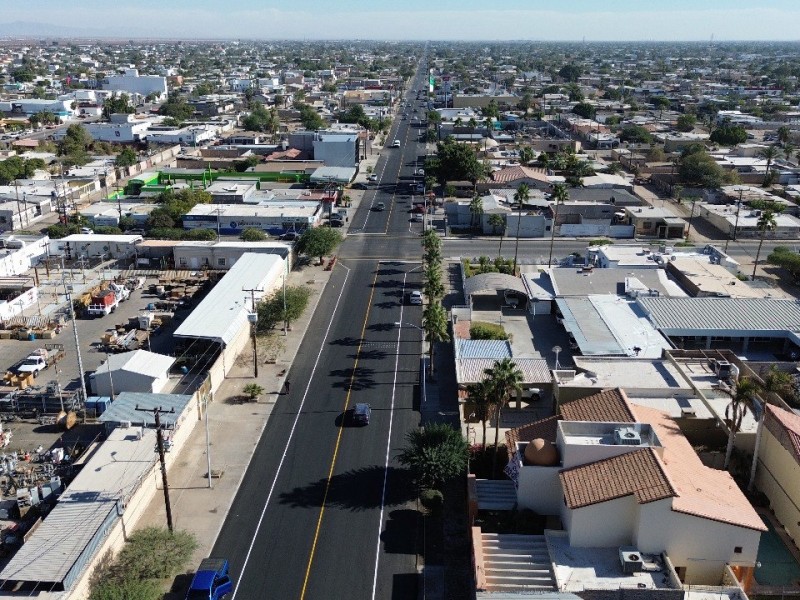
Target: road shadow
x: 369, y: 355
x: 405, y: 585
x: 395, y: 537
x: 388, y: 283
x: 355, y: 490
x: 346, y: 341
x: 356, y: 379
x: 382, y: 327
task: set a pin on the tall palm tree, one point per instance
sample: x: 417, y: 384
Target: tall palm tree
x: 476, y: 210
x: 769, y: 153
x: 434, y: 322
x: 560, y: 195
x: 472, y: 124
x: 520, y: 197
x: 496, y: 221
x: 504, y: 377
x: 480, y: 394
x: 766, y: 222
x: 432, y: 285
x: 788, y: 148
x: 458, y: 122
x: 740, y: 394
x: 783, y: 134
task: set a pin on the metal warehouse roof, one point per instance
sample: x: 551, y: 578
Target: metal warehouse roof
x: 494, y: 349
x: 124, y: 408
x: 223, y: 312
x: 139, y: 361
x: 698, y: 316
x: 471, y: 370
x: 56, y: 554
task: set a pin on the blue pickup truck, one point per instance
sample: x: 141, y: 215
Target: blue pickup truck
x: 212, y: 581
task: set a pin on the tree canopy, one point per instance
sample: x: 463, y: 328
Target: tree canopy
x: 319, y: 241
x: 584, y: 109
x: 636, y: 134
x: 117, y: 104
x: 251, y: 234
x: 17, y: 167
x: 729, y: 135
x: 570, y: 72
x: 74, y: 147
x: 262, y: 119
x: 697, y: 168
x: 126, y: 158
x: 455, y: 162
x: 310, y: 118
x: 177, y: 108
x: 435, y: 454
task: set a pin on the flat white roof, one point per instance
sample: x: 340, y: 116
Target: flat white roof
x: 77, y: 238
x: 264, y: 209
x: 628, y: 373
x: 142, y: 362
x: 223, y: 312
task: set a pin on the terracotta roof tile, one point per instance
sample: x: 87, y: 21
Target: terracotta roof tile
x: 519, y: 172
x: 608, y: 406
x: 638, y: 473
x: 785, y: 426
x: 701, y: 490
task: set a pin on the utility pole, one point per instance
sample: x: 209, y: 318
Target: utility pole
x: 68, y: 293
x: 160, y: 445
x: 253, y: 318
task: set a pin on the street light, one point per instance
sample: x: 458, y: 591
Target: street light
x: 557, y: 350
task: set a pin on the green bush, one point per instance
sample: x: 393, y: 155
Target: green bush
x: 433, y: 500
x: 128, y: 589
x: 154, y: 553
x: 480, y: 330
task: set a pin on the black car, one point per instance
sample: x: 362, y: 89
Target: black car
x: 379, y: 207
x: 361, y: 413
x: 290, y: 236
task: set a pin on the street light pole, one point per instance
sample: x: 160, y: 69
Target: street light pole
x: 253, y: 318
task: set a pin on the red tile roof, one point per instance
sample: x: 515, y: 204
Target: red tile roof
x: 638, y: 473
x: 519, y: 172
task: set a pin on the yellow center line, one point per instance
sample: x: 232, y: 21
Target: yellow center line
x: 339, y: 437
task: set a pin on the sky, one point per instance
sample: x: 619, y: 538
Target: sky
x: 550, y: 20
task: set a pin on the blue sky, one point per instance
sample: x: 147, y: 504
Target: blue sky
x: 423, y: 19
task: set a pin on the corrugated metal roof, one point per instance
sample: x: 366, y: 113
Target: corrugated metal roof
x: 223, y: 312
x: 494, y: 349
x: 677, y: 315
x: 534, y: 370
x: 54, y: 554
x: 493, y: 282
x: 124, y: 408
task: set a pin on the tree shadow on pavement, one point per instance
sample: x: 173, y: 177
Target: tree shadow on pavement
x: 356, y: 379
x: 346, y: 341
x: 395, y: 537
x: 355, y: 490
x: 369, y: 355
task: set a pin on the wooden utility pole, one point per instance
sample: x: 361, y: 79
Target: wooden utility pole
x: 160, y: 445
x: 253, y: 318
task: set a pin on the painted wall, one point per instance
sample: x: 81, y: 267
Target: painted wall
x: 539, y: 489
x: 603, y: 525
x: 777, y: 476
x: 530, y: 226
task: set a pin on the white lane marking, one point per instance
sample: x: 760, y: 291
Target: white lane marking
x: 388, y: 441
x: 291, y: 433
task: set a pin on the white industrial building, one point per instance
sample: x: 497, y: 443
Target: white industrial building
x: 31, y: 106
x: 130, y: 81
x: 136, y: 371
x: 222, y: 317
x: 274, y: 217
x: 223, y: 255
x: 15, y: 215
x: 19, y: 253
x: 119, y: 130
x: 186, y: 136
x: 95, y: 245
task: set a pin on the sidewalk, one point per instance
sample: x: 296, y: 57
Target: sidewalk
x: 234, y: 432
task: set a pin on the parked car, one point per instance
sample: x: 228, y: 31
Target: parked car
x: 415, y: 298
x: 361, y: 413
x: 373, y: 177
x: 290, y: 236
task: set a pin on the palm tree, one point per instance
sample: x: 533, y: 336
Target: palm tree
x: 788, y: 148
x: 481, y: 396
x: 432, y: 285
x: 472, y: 124
x: 783, y: 134
x: 526, y: 155
x: 520, y: 197
x: 769, y: 153
x: 766, y: 222
x: 435, y: 454
x: 560, y: 195
x: 458, y: 122
x: 434, y: 322
x: 496, y: 221
x: 740, y: 394
x: 476, y: 210
x: 504, y: 378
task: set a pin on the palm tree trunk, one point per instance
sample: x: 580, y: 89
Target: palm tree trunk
x: 758, y: 254
x: 500, y: 249
x: 497, y: 414
x: 516, y: 242
x: 552, y: 235
x: 729, y: 448
x: 483, y: 446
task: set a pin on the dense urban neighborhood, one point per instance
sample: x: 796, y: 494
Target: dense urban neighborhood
x: 398, y: 320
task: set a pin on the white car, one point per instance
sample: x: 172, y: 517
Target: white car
x: 415, y: 298
x: 396, y: 144
x: 372, y: 177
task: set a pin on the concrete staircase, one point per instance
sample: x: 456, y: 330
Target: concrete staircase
x: 496, y: 494
x: 514, y: 562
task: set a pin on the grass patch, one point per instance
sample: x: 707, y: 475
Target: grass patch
x: 480, y: 330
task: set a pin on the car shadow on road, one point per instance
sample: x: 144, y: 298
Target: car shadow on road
x: 355, y: 490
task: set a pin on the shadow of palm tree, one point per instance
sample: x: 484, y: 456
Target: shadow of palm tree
x: 346, y: 341
x: 355, y: 490
x: 382, y: 327
x: 369, y: 355
x: 355, y: 379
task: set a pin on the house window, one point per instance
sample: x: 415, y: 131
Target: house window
x: 182, y: 261
x: 737, y: 550
x: 647, y: 225
x: 220, y: 262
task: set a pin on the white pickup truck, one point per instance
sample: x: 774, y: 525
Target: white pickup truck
x: 40, y: 359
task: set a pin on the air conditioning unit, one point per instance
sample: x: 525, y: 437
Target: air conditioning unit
x: 124, y: 424
x: 630, y: 559
x: 723, y: 369
x: 627, y: 436
x: 688, y: 411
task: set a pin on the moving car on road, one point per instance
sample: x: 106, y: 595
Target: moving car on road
x: 361, y: 413
x: 396, y: 144
x: 415, y: 298
x: 380, y: 206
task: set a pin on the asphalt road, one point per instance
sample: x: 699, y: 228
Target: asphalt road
x: 324, y: 511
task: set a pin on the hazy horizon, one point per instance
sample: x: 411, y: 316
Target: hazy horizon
x: 456, y: 20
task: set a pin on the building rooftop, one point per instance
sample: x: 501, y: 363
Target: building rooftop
x: 471, y: 370
x: 577, y: 282
x: 628, y: 373
x: 223, y: 312
x: 265, y: 209
x: 55, y: 554
x: 139, y: 361
x: 126, y: 404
